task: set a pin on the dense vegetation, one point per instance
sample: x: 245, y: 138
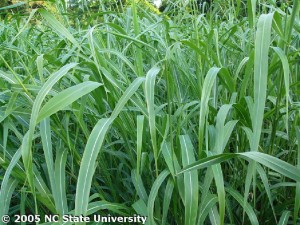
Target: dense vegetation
x: 188, y: 116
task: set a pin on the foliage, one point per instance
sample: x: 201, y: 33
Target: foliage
x: 184, y: 117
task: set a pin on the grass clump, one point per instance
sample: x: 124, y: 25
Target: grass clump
x: 183, y: 117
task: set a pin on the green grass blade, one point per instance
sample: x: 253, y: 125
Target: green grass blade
x: 208, y: 203
x: 297, y: 195
x: 271, y: 162
x: 43, y: 193
x: 149, y: 95
x: 8, y: 77
x: 60, y: 181
x: 247, y: 207
x: 251, y: 170
x: 223, y: 131
x: 153, y: 194
x: 208, y: 161
x: 7, y: 183
x: 65, y: 98
x: 9, y: 190
x: 139, y: 186
x: 173, y: 166
x: 27, y: 140
x: 214, y: 216
x: 137, y: 31
x: 140, y: 207
x: 24, y: 26
x: 262, y: 43
x: 190, y: 181
x: 87, y: 167
x: 275, y: 164
x: 95, y: 207
x: 5, y: 137
x: 265, y: 181
x: 17, y: 78
x: 167, y: 200
x: 126, y: 96
x: 240, y: 67
x: 251, y: 7
x: 286, y: 75
x: 58, y: 27
x: 92, y: 150
x: 228, y: 129
x: 45, y: 132
x: 205, y: 186
x: 18, y: 4
x: 140, y: 126
x: 207, y: 86
x: 40, y: 66
x: 284, y: 219
x: 218, y: 177
x: 166, y: 151
x: 291, y: 21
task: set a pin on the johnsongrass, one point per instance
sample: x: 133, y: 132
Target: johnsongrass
x: 182, y: 117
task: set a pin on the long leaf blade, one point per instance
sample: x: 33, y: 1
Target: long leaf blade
x: 65, y: 98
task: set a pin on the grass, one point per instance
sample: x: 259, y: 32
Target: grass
x: 183, y: 117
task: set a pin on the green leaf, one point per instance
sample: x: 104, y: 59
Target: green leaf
x: 149, y: 95
x: 60, y: 180
x: 28, y: 137
x: 223, y: 131
x: 284, y: 219
x: 45, y: 132
x: 126, y: 96
x: 190, y: 181
x: 7, y: 194
x: 262, y: 43
x: 271, y: 162
x: 265, y: 181
x: 87, y: 166
x: 25, y: 25
x: 286, y: 75
x: 139, y: 186
x: 167, y: 199
x: 208, y: 203
x: 219, y: 180
x: 247, y: 207
x: 18, y: 4
x: 58, y: 27
x: 297, y: 195
x: 95, y: 207
x: 251, y: 7
x: 65, y: 98
x: 207, y: 86
x: 153, y: 193
x: 140, y: 125
x: 166, y: 151
x: 214, y: 216
x: 92, y: 149
x: 8, y: 184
